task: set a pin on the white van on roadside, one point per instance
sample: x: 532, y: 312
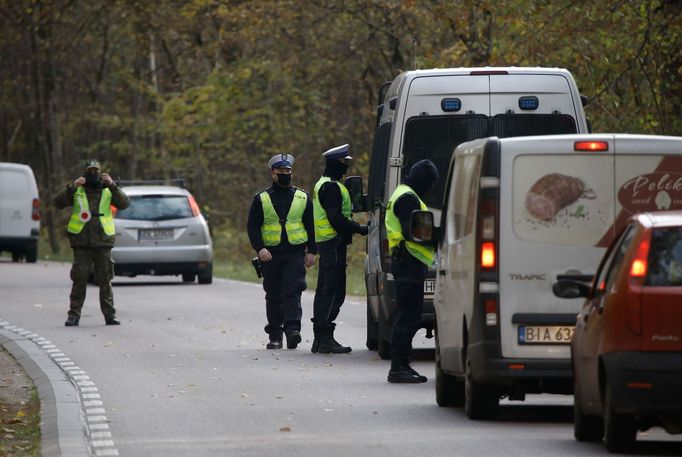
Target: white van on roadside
x: 519, y: 214
x: 425, y: 114
x: 19, y: 211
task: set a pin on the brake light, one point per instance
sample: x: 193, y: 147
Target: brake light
x: 488, y: 72
x: 639, y: 265
x: 488, y: 254
x: 638, y: 270
x: 591, y: 146
x: 35, y: 210
x: 193, y: 205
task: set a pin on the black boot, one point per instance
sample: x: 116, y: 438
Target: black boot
x: 316, y: 337
x: 402, y: 372
x: 275, y: 334
x: 293, y: 338
x: 71, y: 321
x: 328, y: 345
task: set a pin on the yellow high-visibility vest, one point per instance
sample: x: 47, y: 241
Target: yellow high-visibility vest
x: 271, y: 230
x: 394, y: 232
x: 81, y: 212
x: 323, y: 228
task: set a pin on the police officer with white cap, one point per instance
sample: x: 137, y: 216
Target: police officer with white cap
x: 334, y: 229
x: 281, y: 231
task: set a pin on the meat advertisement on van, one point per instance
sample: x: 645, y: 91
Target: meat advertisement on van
x: 570, y: 199
x: 562, y: 199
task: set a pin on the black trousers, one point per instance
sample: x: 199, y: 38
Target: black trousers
x: 331, y: 281
x: 283, y: 282
x: 409, y: 276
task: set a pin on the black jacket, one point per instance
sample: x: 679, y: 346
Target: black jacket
x: 281, y: 199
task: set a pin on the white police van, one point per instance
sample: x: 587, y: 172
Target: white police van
x: 425, y: 114
x: 19, y: 211
x: 520, y: 214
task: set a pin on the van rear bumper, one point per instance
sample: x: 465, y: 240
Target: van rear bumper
x: 18, y: 243
x: 520, y: 374
x: 646, y: 383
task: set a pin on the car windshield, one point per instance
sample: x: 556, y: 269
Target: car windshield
x: 665, y: 257
x: 156, y: 208
x: 436, y: 137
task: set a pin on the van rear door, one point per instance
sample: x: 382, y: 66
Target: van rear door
x: 16, y: 199
x: 556, y: 205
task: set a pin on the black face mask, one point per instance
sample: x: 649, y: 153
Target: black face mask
x: 283, y: 179
x: 92, y: 180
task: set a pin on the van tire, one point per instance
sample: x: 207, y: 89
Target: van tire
x: 449, y: 390
x: 383, y: 343
x: 481, y: 401
x: 586, y: 428
x: 32, y: 255
x: 372, y: 330
x: 620, y: 432
x: 188, y: 277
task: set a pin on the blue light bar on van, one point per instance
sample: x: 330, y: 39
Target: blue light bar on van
x: 529, y: 102
x: 451, y: 104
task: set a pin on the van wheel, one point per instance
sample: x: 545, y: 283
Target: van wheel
x: 585, y: 427
x: 384, y: 343
x: 449, y: 390
x: 481, y: 401
x: 16, y: 257
x: 206, y: 276
x: 188, y: 277
x: 620, y: 432
x: 32, y: 255
x: 372, y: 330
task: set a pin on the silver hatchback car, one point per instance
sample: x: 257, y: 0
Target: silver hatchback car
x: 162, y: 232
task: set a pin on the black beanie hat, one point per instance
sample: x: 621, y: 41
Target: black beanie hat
x: 421, y: 177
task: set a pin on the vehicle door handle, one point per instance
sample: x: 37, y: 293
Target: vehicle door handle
x: 442, y: 272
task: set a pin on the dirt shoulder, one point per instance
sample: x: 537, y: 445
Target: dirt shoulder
x: 19, y: 410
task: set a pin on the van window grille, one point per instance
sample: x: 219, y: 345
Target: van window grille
x: 511, y: 125
x: 435, y: 138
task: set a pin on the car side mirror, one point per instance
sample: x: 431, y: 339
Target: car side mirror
x: 421, y: 226
x: 357, y: 198
x: 570, y: 289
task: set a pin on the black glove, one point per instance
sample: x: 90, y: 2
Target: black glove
x: 364, y: 230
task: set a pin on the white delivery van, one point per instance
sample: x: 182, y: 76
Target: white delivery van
x: 520, y: 214
x: 425, y: 114
x: 19, y: 211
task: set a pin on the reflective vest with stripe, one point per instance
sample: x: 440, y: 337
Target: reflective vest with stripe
x: 394, y: 232
x: 271, y: 230
x: 81, y: 206
x: 323, y: 229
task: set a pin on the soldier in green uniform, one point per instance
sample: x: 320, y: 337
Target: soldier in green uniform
x: 91, y: 235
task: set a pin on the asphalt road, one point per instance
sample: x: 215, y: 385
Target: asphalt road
x: 187, y: 374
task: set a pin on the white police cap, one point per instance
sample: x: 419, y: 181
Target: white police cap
x: 339, y: 152
x: 281, y: 161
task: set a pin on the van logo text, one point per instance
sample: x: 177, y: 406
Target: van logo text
x: 666, y: 338
x: 527, y: 277
x: 651, y: 192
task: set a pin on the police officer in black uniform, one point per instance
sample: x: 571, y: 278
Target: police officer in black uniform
x: 282, y: 232
x: 409, y: 264
x: 334, y: 229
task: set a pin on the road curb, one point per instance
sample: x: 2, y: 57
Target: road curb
x: 62, y: 431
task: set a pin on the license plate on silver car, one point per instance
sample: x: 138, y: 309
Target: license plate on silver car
x: 545, y: 334
x: 156, y: 234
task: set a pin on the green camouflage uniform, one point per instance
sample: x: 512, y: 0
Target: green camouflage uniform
x: 92, y: 247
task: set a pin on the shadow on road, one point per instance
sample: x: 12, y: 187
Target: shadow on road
x: 535, y: 413
x: 151, y: 283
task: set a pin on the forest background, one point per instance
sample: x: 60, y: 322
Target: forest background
x: 209, y: 90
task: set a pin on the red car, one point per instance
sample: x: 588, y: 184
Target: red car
x: 627, y: 347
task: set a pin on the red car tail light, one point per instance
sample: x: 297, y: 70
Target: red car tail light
x: 194, y: 206
x: 488, y: 255
x: 638, y: 270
